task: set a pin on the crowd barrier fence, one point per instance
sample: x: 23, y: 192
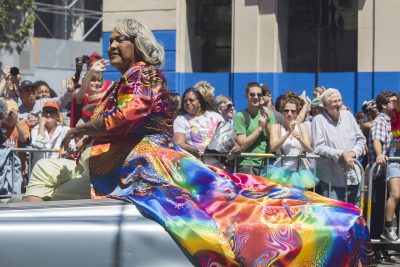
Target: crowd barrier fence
x: 370, y: 175
x: 268, y: 156
x: 29, y: 166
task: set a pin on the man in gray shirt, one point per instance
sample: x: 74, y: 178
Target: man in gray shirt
x: 30, y: 108
x: 338, y: 139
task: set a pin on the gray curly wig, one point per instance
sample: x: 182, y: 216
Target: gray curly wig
x: 146, y: 45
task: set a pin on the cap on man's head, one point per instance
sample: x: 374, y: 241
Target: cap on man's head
x: 25, y: 85
x: 368, y: 105
x: 51, y: 105
x: 317, y: 102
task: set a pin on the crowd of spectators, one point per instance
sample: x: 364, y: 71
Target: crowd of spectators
x: 33, y: 116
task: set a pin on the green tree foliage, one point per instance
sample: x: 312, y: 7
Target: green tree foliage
x: 17, y: 18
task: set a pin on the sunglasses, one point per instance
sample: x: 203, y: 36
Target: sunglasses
x: 50, y: 112
x: 254, y: 95
x: 229, y: 106
x: 289, y: 110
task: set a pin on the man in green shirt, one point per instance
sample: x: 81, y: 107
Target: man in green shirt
x: 252, y: 129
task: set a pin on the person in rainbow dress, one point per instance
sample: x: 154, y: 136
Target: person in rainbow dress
x: 219, y: 218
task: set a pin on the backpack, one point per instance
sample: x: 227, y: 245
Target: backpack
x: 223, y: 139
x: 246, y: 116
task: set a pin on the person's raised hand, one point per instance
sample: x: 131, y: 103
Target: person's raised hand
x: 296, y: 135
x: 262, y: 122
x: 7, y: 72
x: 69, y: 84
x: 292, y: 126
x: 99, y: 65
x: 42, y: 121
x: 32, y: 120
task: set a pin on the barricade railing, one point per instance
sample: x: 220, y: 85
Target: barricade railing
x: 269, y: 156
x: 29, y: 164
x: 371, y: 174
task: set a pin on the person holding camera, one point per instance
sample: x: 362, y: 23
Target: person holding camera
x: 10, y: 82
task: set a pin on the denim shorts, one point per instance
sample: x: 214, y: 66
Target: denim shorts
x: 392, y: 170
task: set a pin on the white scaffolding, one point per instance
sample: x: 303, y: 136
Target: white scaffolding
x: 69, y: 14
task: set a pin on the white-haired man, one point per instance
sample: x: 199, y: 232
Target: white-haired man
x: 339, y: 140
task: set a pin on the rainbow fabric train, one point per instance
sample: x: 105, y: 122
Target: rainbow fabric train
x: 219, y: 218
x: 238, y: 219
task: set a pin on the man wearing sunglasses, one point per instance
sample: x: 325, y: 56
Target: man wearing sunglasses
x: 252, y: 129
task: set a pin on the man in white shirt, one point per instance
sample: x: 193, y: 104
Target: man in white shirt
x: 339, y: 140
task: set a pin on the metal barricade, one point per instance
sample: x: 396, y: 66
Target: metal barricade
x: 370, y: 175
x: 269, y: 156
x: 29, y: 164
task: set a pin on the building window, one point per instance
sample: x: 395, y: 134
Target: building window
x: 318, y: 35
x: 210, y: 31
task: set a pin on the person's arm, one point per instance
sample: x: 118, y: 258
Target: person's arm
x: 305, y: 110
x: 98, y: 66
x: 93, y: 128
x: 180, y: 140
x: 22, y: 127
x: 3, y: 82
x: 381, y: 158
x: 320, y: 146
x: 377, y: 140
x: 303, y: 138
x: 38, y: 141
x: 23, y: 133
x: 275, y: 140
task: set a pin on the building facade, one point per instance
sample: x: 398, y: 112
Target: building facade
x: 290, y: 45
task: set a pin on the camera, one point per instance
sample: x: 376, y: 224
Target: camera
x: 83, y: 59
x: 14, y: 71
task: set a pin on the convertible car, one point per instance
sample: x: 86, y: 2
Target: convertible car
x: 75, y: 233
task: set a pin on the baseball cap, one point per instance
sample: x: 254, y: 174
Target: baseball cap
x: 51, y: 105
x: 26, y: 84
x: 368, y: 105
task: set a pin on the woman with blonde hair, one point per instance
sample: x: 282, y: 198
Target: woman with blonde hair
x: 206, y: 90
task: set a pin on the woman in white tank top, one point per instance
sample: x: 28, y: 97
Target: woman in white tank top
x: 290, y: 139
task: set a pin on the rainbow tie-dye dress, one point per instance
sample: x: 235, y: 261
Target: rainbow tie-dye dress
x: 219, y: 218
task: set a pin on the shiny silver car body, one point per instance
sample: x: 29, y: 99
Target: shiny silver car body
x: 87, y: 233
